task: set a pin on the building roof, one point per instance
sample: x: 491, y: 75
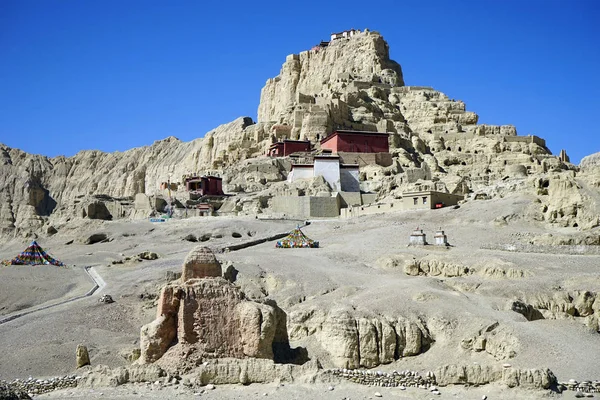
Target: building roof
x: 349, y: 132
x: 327, y: 156
x: 295, y: 141
x: 302, y: 166
x: 360, y: 132
x: 342, y: 32
x: 288, y: 141
x: 198, y: 178
x: 428, y: 192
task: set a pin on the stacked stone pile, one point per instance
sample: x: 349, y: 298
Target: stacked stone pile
x: 583, y: 386
x: 406, y: 379
x: 39, y: 386
x: 385, y: 379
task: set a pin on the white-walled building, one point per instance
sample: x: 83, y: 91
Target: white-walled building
x: 340, y: 177
x: 344, y: 34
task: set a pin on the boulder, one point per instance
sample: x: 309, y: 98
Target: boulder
x: 148, y: 255
x: 82, y: 356
x: 97, y: 210
x: 95, y: 238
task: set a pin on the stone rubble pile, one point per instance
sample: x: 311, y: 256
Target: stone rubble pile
x: 385, y: 379
x: 39, y: 386
x: 399, y: 379
x: 583, y: 386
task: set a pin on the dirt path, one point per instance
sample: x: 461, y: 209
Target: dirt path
x: 99, y: 284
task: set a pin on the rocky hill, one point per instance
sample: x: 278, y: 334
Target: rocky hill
x: 347, y: 83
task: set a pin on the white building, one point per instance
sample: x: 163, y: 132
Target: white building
x: 345, y: 34
x: 340, y: 177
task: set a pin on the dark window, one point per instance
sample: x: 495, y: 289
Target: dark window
x: 416, y: 200
x: 424, y: 200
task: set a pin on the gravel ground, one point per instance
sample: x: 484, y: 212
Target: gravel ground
x: 345, y: 271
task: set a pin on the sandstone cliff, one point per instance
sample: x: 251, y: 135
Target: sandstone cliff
x: 349, y: 83
x: 37, y: 190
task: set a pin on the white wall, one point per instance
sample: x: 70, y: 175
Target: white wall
x: 330, y: 170
x: 300, y: 173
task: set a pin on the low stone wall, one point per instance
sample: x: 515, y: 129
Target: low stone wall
x: 363, y: 159
x: 385, y: 379
x: 370, y: 209
x: 526, y: 139
x: 350, y: 199
x: 306, y: 206
x: 232, y: 371
x: 454, y: 375
x: 40, y: 386
x: 584, y: 386
x: 544, y: 249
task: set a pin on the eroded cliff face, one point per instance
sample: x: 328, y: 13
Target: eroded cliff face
x: 37, y: 191
x: 304, y: 94
x: 360, y: 341
x: 435, y: 142
x: 351, y: 83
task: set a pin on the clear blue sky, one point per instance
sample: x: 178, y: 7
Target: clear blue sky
x: 112, y: 75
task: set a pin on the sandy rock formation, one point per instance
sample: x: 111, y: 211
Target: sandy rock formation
x: 435, y: 142
x: 250, y: 370
x: 353, y: 341
x: 82, y: 357
x: 350, y: 83
x: 307, y: 94
x: 582, y: 305
x: 434, y: 265
x: 35, y: 190
x: 497, y: 341
x: 590, y: 163
x: 481, y: 375
x: 103, y: 376
x: 205, y: 316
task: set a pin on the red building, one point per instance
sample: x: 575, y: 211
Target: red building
x: 287, y: 147
x: 199, y: 186
x: 357, y: 142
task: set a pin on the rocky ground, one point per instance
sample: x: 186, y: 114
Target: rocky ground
x: 478, y: 302
x: 301, y: 391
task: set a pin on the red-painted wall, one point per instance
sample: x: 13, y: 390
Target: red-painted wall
x: 331, y: 144
x: 292, y: 147
x: 215, y: 186
x: 276, y: 150
x: 357, y: 143
x: 206, y: 185
x: 285, y: 148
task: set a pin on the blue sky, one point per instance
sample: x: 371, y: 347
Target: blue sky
x: 112, y: 75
